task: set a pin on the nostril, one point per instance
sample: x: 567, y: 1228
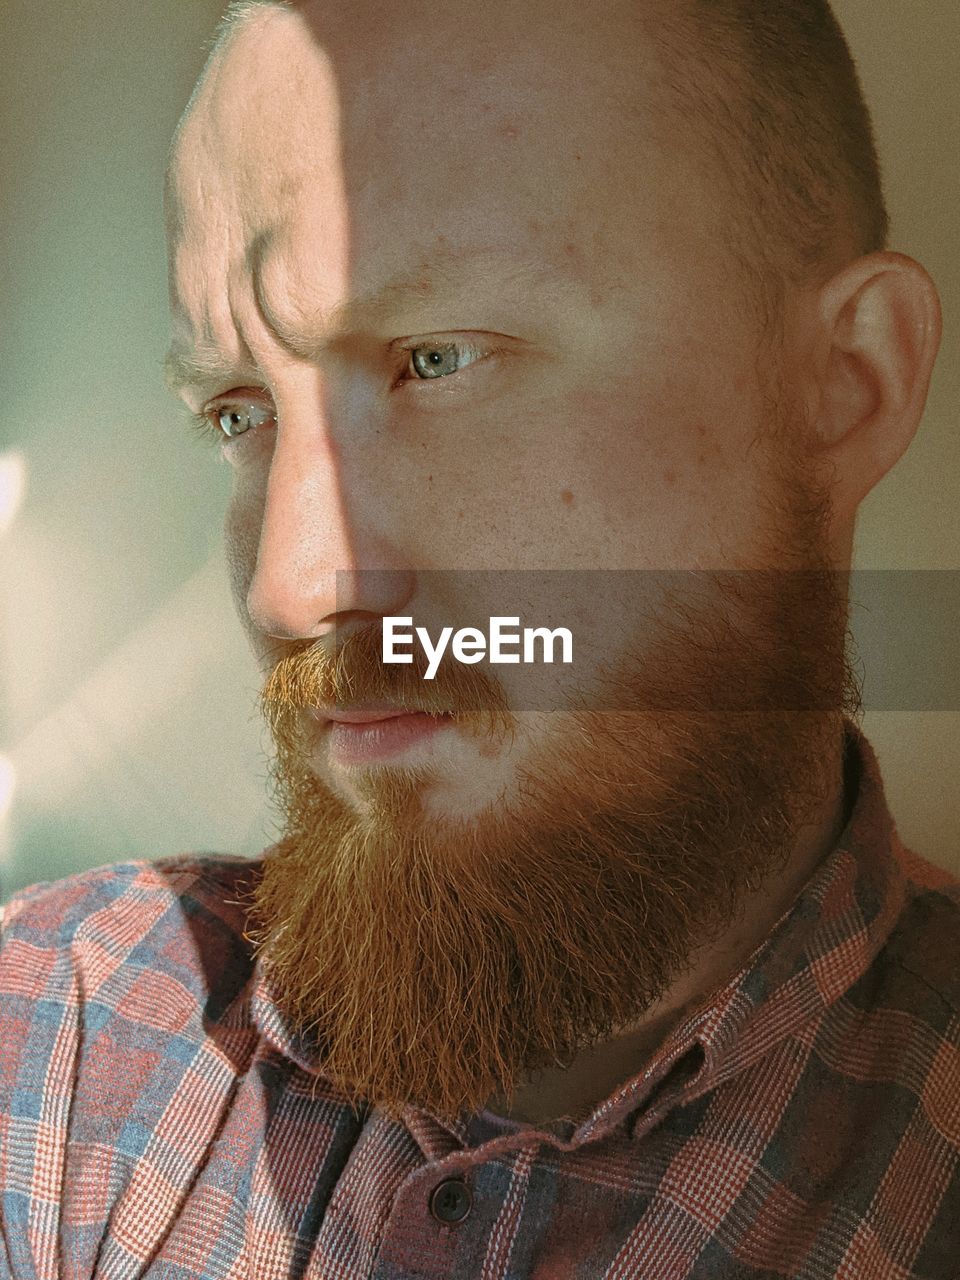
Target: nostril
x: 275, y: 608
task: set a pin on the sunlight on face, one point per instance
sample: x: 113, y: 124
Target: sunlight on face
x: 407, y: 373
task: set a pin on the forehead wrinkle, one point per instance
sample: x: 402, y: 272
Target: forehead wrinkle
x: 496, y: 269
x: 487, y: 271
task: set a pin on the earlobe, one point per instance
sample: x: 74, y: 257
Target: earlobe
x: 880, y: 325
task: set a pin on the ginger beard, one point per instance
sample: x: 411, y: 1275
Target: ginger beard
x: 437, y: 962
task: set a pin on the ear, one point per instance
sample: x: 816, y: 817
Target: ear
x: 878, y: 333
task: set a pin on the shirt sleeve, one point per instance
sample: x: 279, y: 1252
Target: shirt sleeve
x: 106, y: 992
x: 39, y: 1038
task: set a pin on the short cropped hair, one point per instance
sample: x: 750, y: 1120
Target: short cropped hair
x: 769, y: 93
x: 766, y: 92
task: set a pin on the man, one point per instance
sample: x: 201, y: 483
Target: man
x: 614, y: 970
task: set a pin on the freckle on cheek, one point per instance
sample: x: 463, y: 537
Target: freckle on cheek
x: 670, y: 477
x: 568, y: 498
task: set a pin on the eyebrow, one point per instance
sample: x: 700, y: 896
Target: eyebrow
x: 195, y: 370
x: 205, y: 365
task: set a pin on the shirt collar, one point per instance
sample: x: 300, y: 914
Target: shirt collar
x: 821, y: 945
x: 816, y: 951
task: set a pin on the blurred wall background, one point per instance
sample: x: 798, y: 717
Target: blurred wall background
x: 127, y: 718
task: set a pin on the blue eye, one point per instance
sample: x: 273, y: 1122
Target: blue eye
x: 236, y: 417
x: 433, y: 360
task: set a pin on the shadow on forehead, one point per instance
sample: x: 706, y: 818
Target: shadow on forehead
x: 354, y: 154
x: 556, y: 51
x: 763, y: 93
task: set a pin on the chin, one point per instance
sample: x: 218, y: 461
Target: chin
x: 466, y: 798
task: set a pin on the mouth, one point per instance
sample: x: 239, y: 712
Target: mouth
x: 372, y: 732
x: 362, y: 713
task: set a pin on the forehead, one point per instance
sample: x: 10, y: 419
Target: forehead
x: 555, y: 66
x: 331, y: 145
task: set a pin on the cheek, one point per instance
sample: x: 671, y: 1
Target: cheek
x: 626, y: 461
x: 663, y: 473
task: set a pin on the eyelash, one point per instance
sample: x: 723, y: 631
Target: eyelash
x: 210, y: 433
x: 467, y: 348
x: 202, y: 426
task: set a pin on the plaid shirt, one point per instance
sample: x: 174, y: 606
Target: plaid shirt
x: 157, y: 1119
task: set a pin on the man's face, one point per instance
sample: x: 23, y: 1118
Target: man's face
x: 598, y: 399
x: 476, y: 315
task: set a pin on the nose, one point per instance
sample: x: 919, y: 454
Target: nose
x: 321, y: 566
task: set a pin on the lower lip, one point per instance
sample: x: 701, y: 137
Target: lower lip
x: 380, y: 739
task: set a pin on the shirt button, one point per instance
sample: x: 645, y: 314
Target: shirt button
x: 451, y: 1201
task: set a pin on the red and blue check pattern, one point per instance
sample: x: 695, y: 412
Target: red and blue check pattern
x: 158, y: 1120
